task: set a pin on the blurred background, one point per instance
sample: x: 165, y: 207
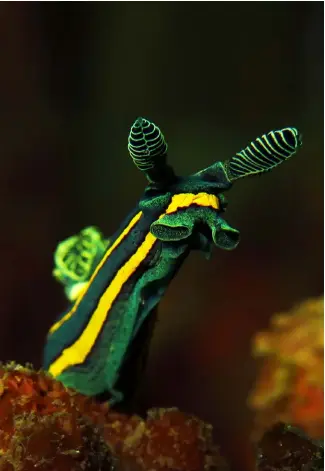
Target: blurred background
x: 213, y: 76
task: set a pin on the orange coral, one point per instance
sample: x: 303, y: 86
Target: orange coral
x: 167, y: 440
x: 291, y: 384
x: 45, y: 425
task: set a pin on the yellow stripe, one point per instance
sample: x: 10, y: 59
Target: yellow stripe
x: 184, y: 200
x: 78, y: 351
x: 67, y: 316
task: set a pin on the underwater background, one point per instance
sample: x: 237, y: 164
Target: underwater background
x: 213, y: 76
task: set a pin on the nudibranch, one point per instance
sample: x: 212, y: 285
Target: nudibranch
x: 115, y: 285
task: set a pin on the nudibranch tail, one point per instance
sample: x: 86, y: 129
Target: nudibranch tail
x: 148, y: 150
x: 264, y: 154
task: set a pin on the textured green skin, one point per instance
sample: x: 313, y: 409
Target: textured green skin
x: 111, y: 365
x: 141, y: 294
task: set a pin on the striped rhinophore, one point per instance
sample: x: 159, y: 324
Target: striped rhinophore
x: 146, y: 143
x: 265, y: 153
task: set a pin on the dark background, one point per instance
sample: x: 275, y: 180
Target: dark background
x: 213, y: 76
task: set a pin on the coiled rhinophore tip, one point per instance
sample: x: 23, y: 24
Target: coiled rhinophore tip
x: 264, y: 154
x: 148, y: 150
x: 146, y: 144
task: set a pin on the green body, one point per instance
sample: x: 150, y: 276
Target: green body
x: 118, y: 284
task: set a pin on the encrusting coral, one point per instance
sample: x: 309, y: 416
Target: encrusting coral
x: 290, y: 387
x: 45, y: 426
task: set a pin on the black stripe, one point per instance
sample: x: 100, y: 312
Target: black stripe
x: 117, y: 313
x: 116, y: 318
x: 71, y: 330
